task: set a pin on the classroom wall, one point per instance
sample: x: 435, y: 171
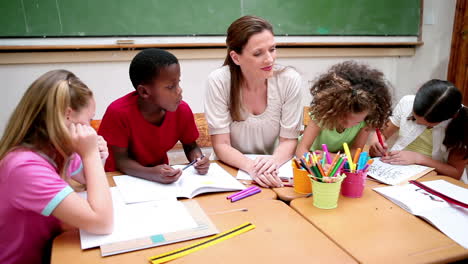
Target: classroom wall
x: 108, y: 78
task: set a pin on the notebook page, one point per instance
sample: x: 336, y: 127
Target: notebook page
x: 449, y: 219
x: 217, y: 179
x: 393, y: 174
x: 135, y: 190
x: 140, y: 220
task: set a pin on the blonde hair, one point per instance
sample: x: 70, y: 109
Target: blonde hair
x: 38, y: 120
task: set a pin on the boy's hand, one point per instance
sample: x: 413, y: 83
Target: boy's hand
x: 166, y: 174
x: 202, y: 165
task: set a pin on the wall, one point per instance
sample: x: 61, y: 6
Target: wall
x: 106, y: 72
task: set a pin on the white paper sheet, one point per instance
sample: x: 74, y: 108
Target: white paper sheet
x: 140, y: 220
x: 393, y: 174
x: 450, y: 219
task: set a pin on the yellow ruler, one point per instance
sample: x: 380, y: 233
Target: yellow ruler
x: 202, y: 244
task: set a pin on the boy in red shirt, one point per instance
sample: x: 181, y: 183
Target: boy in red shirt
x: 143, y: 125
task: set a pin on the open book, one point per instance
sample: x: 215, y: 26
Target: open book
x: 189, y: 185
x: 143, y: 225
x: 450, y: 219
x: 396, y: 174
x: 285, y: 171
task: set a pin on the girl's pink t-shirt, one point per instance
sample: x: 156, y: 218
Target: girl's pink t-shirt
x: 30, y: 190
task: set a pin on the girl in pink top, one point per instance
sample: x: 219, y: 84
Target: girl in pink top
x: 48, y: 140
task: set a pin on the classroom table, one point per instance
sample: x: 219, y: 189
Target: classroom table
x: 374, y: 230
x: 281, y: 236
x: 287, y: 194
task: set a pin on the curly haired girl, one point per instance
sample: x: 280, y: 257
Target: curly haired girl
x: 348, y: 102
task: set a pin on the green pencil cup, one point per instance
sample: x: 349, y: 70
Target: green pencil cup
x: 326, y: 194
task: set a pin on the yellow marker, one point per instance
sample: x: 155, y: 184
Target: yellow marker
x: 348, y: 155
x: 202, y: 244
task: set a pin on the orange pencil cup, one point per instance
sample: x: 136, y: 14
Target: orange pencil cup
x: 302, y: 182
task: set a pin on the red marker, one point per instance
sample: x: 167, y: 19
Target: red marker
x: 379, y: 136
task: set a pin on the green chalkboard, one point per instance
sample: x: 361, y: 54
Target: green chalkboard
x: 54, y: 18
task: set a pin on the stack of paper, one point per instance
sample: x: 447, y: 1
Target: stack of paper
x: 140, y: 220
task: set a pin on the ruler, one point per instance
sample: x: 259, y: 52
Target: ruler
x: 202, y: 244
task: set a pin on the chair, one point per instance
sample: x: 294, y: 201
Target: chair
x: 305, y: 116
x: 95, y: 124
x: 204, y: 140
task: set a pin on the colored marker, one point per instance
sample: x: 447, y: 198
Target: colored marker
x: 245, y: 195
x: 325, y: 149
x: 237, y: 193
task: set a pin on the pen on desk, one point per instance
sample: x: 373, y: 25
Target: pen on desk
x: 284, y: 185
x: 193, y: 162
x: 241, y: 194
x: 237, y: 198
x: 237, y: 193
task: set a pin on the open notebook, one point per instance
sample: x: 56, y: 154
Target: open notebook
x: 450, y: 219
x: 150, y: 224
x: 285, y: 171
x: 189, y: 185
x: 396, y: 174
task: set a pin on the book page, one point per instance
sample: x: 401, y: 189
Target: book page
x: 285, y: 171
x: 140, y: 220
x: 217, y: 179
x: 136, y: 190
x: 395, y: 174
x: 448, y: 218
x: 411, y: 198
x: 452, y: 221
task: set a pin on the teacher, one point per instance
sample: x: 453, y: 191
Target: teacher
x: 252, y: 105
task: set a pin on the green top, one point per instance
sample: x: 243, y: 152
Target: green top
x: 422, y: 144
x: 335, y: 140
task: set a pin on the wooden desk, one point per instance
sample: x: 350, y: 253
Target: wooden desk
x: 281, y: 236
x: 374, y: 230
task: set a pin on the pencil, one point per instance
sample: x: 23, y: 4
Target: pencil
x: 335, y: 159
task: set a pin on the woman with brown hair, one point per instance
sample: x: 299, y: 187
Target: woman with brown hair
x: 253, y: 106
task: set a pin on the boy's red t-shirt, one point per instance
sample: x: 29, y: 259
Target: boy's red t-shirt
x: 123, y: 126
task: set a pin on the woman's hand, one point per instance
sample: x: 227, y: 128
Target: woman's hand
x: 265, y: 172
